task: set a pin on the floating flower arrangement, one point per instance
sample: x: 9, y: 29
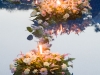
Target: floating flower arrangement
x: 41, y: 63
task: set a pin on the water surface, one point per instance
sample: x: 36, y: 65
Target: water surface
x: 85, y: 47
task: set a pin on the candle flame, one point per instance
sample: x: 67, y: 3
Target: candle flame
x: 58, y: 2
x: 58, y: 31
x: 36, y: 2
x: 40, y: 48
x: 61, y: 28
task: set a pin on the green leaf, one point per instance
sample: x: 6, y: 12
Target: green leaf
x: 17, y: 73
x: 70, y: 59
x: 29, y: 29
x: 38, y: 33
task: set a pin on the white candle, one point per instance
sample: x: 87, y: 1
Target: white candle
x: 40, y: 49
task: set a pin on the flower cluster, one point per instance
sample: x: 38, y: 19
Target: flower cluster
x: 55, y: 11
x: 49, y: 16
x: 34, y: 63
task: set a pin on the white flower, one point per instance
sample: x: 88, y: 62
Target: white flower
x: 89, y: 16
x: 33, y: 57
x: 40, y: 21
x: 33, y: 4
x: 64, y: 66
x: 98, y: 24
x: 35, y: 71
x: 85, y: 18
x: 64, y: 6
x: 46, y: 64
x: 66, y: 16
x: 11, y: 66
x: 46, y: 23
x: 13, y: 69
x: 79, y: 2
x: 27, y: 60
x: 34, y: 13
x: 40, y: 27
x: 26, y: 71
x: 47, y: 52
x: 38, y: 13
x: 30, y: 54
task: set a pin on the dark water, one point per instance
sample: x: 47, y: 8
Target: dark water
x: 26, y: 4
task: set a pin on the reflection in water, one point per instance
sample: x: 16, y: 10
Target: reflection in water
x: 26, y: 5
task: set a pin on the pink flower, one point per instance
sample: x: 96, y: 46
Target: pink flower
x: 23, y: 73
x: 63, y: 73
x: 43, y: 13
x: 46, y: 23
x: 43, y: 71
x: 64, y: 55
x: 58, y: 59
x: 13, y: 69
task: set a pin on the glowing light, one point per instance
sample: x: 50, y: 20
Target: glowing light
x: 36, y: 2
x: 58, y: 2
x: 61, y: 28
x: 40, y: 49
x: 58, y: 31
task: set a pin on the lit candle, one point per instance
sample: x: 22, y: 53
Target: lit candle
x: 72, y: 4
x: 58, y: 2
x: 58, y: 31
x: 36, y: 2
x: 61, y: 28
x: 40, y: 49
